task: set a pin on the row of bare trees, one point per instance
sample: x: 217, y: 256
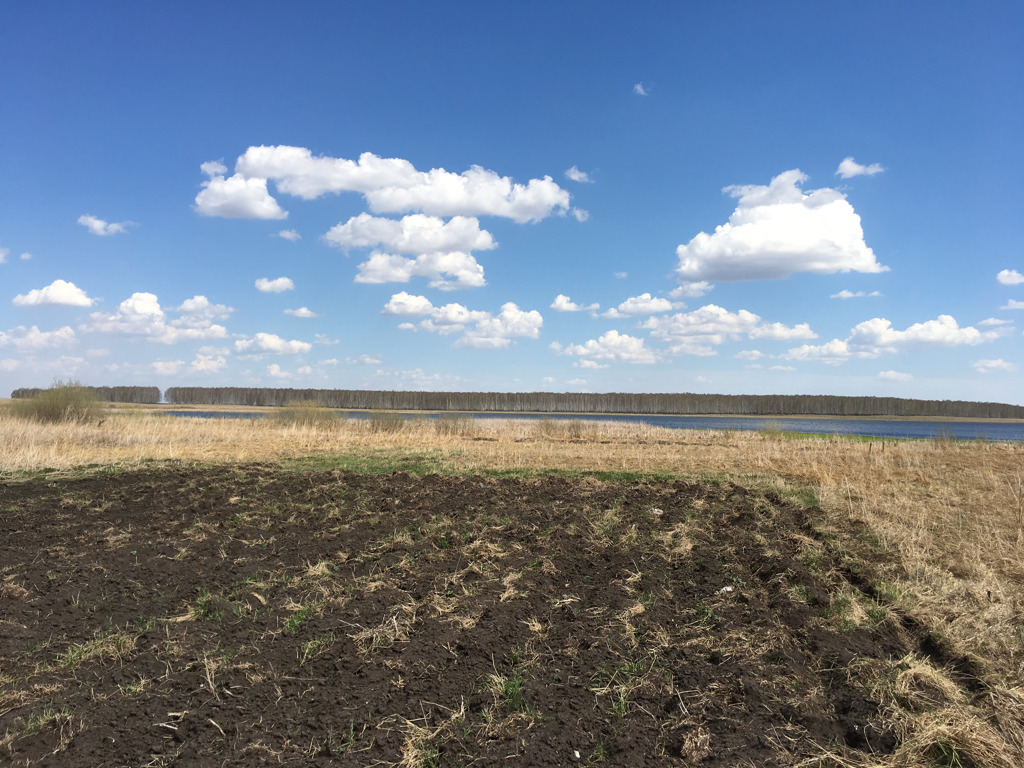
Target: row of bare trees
x: 558, y: 402
x: 105, y: 394
x: 613, y: 402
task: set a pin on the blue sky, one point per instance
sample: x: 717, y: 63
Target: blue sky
x: 740, y: 197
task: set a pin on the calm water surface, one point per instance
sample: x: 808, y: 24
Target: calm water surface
x: 959, y: 430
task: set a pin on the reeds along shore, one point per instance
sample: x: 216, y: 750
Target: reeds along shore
x: 948, y: 515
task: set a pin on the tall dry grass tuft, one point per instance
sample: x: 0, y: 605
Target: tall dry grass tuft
x: 307, y: 413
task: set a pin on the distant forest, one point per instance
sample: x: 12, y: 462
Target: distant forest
x: 566, y: 402
x: 105, y: 394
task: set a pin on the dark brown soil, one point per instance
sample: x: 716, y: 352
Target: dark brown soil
x: 253, y: 615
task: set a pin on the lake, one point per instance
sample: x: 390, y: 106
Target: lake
x: 923, y: 430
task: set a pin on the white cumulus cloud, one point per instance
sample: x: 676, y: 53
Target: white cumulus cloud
x: 235, y: 197
x: 277, y: 285
x: 477, y: 191
x: 208, y: 363
x: 611, y: 346
x: 200, y: 312
x: 301, y: 312
x: 141, y: 316
x: 850, y: 168
x: 780, y: 331
x: 446, y: 271
x: 416, y: 233
x: 1013, y: 304
x: 878, y: 333
x: 58, y: 292
x: 1010, y: 277
x: 777, y: 230
x: 834, y: 352
x: 876, y: 337
x: 563, y: 303
x: 497, y: 332
x: 644, y: 304
x: 441, y: 249
x: 406, y: 305
x: 269, y: 342
x: 389, y: 185
x: 696, y: 332
x: 289, y: 234
x: 478, y: 329
x: 102, y: 228
x: 30, y: 339
x: 277, y: 372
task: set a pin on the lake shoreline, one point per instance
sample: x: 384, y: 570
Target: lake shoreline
x: 568, y: 414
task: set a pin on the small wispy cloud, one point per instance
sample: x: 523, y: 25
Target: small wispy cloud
x: 103, y: 228
x: 989, y: 366
x: 289, y: 234
x: 575, y: 174
x: 850, y: 168
x: 894, y: 376
x: 364, y: 360
x: 845, y: 294
x: 639, y: 89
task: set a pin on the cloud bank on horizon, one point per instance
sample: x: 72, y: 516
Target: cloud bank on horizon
x: 413, y: 236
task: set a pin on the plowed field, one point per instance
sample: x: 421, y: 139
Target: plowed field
x: 254, y: 615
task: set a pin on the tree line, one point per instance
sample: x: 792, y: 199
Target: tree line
x: 104, y: 394
x: 681, y: 404
x: 612, y: 402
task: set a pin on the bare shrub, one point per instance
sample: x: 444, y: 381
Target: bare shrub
x: 65, y: 401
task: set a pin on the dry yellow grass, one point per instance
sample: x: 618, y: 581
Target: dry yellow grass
x: 951, y: 514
